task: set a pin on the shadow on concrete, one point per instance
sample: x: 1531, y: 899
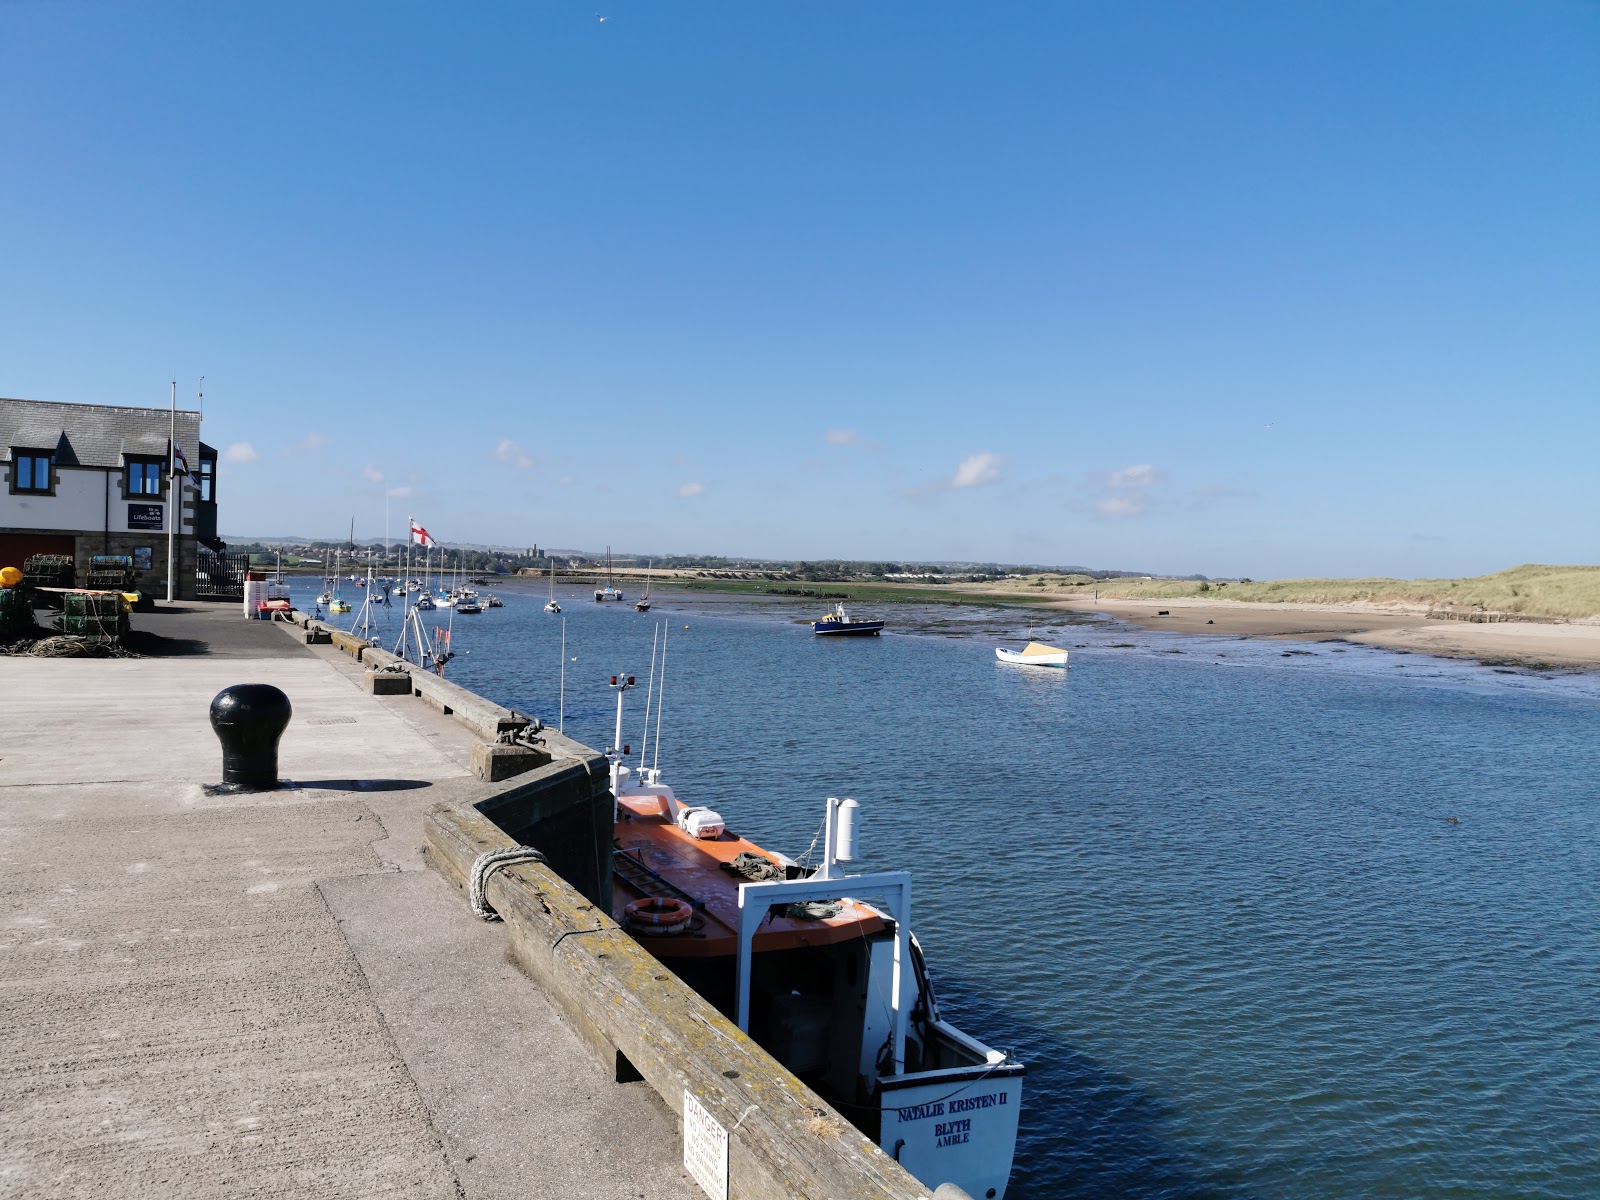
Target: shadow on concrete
x: 359, y: 785
x: 153, y: 645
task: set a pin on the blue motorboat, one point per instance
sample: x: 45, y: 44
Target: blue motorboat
x: 839, y: 624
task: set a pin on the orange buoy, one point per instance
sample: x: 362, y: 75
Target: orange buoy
x: 658, y: 915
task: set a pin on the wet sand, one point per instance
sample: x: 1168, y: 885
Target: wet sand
x: 1520, y: 643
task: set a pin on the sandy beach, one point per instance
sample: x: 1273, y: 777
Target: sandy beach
x: 1521, y: 643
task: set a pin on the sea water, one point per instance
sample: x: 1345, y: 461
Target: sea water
x: 1265, y: 919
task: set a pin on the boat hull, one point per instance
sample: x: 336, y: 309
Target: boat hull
x: 847, y: 628
x: 1031, y: 660
x: 954, y: 1126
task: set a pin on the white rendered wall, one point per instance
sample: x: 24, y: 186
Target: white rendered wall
x: 79, y: 505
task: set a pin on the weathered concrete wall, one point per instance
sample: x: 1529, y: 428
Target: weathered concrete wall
x: 785, y: 1142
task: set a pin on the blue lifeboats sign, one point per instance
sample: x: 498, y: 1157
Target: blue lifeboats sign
x: 146, y: 516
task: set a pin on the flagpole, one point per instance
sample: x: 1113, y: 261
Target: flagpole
x: 174, y: 506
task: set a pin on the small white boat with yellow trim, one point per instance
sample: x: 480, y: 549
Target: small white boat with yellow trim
x: 1034, y: 654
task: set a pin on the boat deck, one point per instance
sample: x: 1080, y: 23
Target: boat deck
x: 693, y: 866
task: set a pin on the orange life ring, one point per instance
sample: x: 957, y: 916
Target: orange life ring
x: 658, y: 912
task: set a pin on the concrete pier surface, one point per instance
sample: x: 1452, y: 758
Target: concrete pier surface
x: 268, y: 994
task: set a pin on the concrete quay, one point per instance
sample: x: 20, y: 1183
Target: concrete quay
x: 267, y: 994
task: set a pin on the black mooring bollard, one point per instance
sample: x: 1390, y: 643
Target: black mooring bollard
x: 249, y: 719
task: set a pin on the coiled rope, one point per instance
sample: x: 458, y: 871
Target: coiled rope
x: 485, y: 864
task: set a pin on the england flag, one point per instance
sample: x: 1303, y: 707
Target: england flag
x: 420, y: 536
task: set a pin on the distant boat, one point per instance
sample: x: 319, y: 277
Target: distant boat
x: 1034, y: 654
x: 642, y: 604
x: 839, y: 624
x: 494, y: 601
x: 552, y: 607
x: 425, y: 603
x: 467, y: 606
x: 610, y: 591
x: 339, y: 605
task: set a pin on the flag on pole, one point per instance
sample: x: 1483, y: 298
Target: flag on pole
x: 420, y: 536
x: 180, y: 465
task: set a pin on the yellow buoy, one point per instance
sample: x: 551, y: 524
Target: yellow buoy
x: 10, y: 577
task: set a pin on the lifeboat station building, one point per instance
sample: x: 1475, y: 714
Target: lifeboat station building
x: 88, y: 479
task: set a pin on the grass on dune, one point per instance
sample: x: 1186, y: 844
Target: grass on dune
x: 1531, y: 591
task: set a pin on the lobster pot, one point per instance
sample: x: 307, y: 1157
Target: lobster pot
x: 48, y: 571
x: 15, y: 612
x: 106, y: 605
x: 103, y: 627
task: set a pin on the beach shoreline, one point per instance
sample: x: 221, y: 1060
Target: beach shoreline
x: 1529, y: 644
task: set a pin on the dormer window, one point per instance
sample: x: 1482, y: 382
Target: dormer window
x: 208, y: 479
x: 33, y: 472
x: 144, y: 476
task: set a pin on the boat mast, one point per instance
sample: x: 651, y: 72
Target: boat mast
x: 644, y: 745
x: 660, y: 697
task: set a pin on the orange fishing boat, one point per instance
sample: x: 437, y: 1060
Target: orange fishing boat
x: 834, y: 987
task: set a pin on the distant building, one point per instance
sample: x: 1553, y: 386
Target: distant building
x: 87, y: 479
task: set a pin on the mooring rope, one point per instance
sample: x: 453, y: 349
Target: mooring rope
x: 485, y: 864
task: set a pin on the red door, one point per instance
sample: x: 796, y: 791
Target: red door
x: 17, y: 548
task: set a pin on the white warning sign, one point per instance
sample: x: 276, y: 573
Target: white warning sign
x: 705, y: 1148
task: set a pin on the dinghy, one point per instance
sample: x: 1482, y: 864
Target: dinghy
x: 1034, y: 654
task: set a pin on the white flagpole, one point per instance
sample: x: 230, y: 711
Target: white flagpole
x: 174, y: 504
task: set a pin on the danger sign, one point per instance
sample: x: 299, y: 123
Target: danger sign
x: 705, y: 1148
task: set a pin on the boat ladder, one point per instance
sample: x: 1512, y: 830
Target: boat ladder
x: 646, y: 882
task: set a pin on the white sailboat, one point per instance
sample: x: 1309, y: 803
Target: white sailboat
x: 552, y: 607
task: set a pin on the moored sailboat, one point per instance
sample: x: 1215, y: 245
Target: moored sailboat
x: 552, y: 606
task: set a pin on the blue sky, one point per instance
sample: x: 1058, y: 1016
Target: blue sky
x: 1238, y: 288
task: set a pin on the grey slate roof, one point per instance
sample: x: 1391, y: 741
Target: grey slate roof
x: 94, y: 435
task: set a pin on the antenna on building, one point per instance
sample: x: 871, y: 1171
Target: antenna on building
x: 200, y: 395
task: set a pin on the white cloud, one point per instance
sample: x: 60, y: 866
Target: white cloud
x: 372, y: 474
x: 311, y: 441
x: 1131, y: 505
x: 401, y: 493
x: 1142, y: 475
x: 240, y: 452
x: 848, y: 437
x: 1128, y: 492
x: 512, y: 454
x: 565, y: 481
x: 976, y: 470
x: 691, y: 489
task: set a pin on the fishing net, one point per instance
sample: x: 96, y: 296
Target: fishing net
x: 754, y: 867
x: 814, y: 910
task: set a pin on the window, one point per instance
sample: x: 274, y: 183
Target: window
x: 208, y: 478
x: 31, y: 472
x: 144, y: 477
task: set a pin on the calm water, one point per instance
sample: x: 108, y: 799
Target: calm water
x: 1208, y: 891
